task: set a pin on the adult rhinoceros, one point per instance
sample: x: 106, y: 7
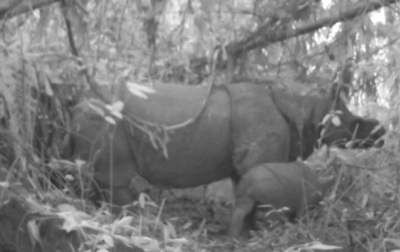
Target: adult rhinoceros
x: 233, y: 128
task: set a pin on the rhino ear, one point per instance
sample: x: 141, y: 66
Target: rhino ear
x: 340, y: 91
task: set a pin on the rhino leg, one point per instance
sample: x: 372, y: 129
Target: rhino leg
x: 242, y: 214
x: 250, y: 220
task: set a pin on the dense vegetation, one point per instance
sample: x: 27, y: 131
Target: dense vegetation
x: 53, y: 51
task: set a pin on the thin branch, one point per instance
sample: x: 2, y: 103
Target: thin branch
x: 264, y: 35
x: 13, y: 8
x: 75, y: 52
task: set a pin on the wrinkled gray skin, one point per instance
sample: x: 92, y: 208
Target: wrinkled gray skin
x: 292, y: 185
x: 237, y: 127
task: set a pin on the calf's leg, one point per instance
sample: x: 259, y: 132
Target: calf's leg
x: 250, y: 219
x: 243, y: 207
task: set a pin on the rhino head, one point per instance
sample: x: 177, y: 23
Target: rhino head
x: 343, y: 129
x: 325, y: 119
x: 319, y: 191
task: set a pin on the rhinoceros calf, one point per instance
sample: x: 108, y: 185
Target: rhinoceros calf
x: 292, y: 185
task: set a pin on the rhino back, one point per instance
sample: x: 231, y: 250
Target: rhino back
x: 198, y: 153
x: 169, y: 105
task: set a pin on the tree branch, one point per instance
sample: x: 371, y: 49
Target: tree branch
x: 11, y: 8
x: 264, y: 35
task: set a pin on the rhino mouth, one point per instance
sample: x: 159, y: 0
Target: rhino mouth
x: 357, y: 140
x: 358, y: 143
x: 364, y: 143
